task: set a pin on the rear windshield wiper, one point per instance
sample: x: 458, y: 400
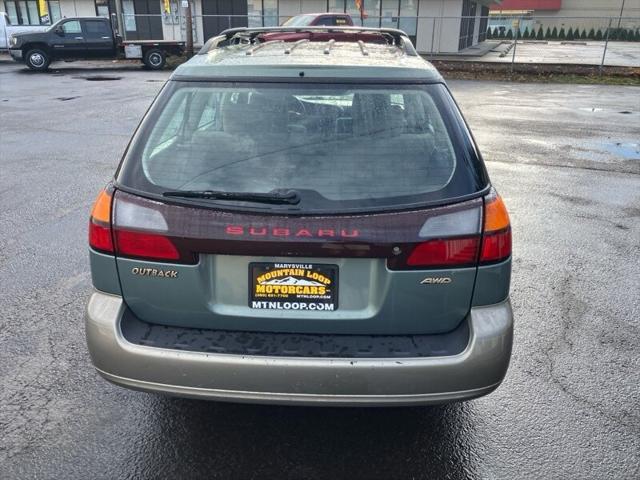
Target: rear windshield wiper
x: 286, y: 197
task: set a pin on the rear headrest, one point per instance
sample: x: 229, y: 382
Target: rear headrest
x: 238, y: 118
x: 373, y: 114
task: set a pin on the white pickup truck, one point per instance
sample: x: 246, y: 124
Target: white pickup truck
x: 6, y: 30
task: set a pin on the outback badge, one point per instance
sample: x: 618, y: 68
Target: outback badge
x: 436, y: 281
x: 154, y: 272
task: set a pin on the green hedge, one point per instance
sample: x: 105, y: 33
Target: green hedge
x: 615, y: 34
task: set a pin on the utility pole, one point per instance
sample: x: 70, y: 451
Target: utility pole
x: 620, y: 17
x: 186, y: 4
x: 120, y: 23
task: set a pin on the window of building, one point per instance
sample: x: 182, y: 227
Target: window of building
x: 336, y: 6
x: 129, y: 15
x: 54, y: 10
x: 21, y: 12
x: 467, y: 24
x: 254, y: 13
x: 389, y: 13
x: 102, y: 8
x: 484, y: 21
x: 409, y: 17
x: 270, y: 15
x: 12, y: 12
x: 262, y: 13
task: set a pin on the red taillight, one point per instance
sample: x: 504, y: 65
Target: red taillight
x: 100, y: 224
x: 496, y: 242
x: 445, y: 252
x: 106, y: 237
x: 145, y: 245
x: 496, y: 246
x: 100, y: 237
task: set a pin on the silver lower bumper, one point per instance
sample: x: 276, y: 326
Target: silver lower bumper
x: 16, y: 54
x: 476, y: 371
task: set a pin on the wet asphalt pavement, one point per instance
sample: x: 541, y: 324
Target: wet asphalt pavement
x: 566, y: 159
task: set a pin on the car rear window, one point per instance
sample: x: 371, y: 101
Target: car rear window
x: 341, y: 147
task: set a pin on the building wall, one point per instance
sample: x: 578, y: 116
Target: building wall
x: 71, y: 8
x: 439, y: 26
x: 78, y: 8
x: 598, y: 13
x: 595, y: 8
x: 438, y: 23
x: 573, y: 8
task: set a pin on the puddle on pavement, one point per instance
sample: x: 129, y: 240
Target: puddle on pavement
x: 98, y: 78
x: 607, y: 151
x: 596, y: 109
x: 628, y: 151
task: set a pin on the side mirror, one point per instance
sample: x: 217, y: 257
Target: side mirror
x: 59, y: 31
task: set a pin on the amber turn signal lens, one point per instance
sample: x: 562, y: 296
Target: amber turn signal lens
x: 101, y: 211
x: 496, y: 238
x: 495, y: 214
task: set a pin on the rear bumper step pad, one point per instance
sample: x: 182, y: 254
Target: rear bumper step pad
x: 475, y: 371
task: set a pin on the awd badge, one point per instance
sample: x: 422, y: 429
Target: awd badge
x: 436, y: 281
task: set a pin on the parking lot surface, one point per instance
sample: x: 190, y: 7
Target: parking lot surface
x: 584, y: 52
x: 566, y: 160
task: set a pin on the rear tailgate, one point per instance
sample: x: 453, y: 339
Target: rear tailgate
x: 389, y: 273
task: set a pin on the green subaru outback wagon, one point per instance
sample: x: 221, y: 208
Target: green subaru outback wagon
x: 302, y: 221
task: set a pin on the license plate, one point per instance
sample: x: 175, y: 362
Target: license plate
x: 293, y: 286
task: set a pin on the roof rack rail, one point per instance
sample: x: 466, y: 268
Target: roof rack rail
x: 249, y: 35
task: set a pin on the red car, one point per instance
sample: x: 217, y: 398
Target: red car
x: 320, y: 19
x: 325, y: 20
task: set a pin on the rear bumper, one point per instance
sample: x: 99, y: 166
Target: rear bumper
x: 476, y: 371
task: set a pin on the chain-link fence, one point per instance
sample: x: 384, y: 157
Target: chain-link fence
x: 611, y: 41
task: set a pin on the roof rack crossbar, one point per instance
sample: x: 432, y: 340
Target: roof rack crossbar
x: 363, y: 49
x: 257, y: 47
x: 327, y: 49
x: 296, y: 44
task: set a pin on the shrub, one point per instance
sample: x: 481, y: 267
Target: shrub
x: 570, y: 34
x: 592, y: 34
x: 583, y: 35
x: 489, y: 33
x: 540, y: 35
x: 526, y: 32
x: 613, y: 34
x: 599, y: 35
x: 501, y: 34
x: 554, y: 33
x: 637, y: 36
x: 562, y: 35
x: 510, y: 34
x: 533, y: 35
x: 622, y: 34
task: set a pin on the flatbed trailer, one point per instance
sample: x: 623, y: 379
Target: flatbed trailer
x: 153, y: 53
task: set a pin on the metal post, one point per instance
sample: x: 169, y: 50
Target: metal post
x: 620, y: 17
x: 228, y: 21
x: 120, y: 22
x: 433, y: 34
x: 515, y: 44
x: 189, y: 27
x: 606, y: 44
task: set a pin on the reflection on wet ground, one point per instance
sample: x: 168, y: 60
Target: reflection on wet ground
x: 306, y: 442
